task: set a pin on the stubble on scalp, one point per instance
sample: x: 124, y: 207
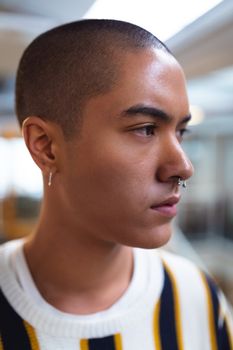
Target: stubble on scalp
x: 68, y: 65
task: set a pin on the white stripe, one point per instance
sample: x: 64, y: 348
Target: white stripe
x: 141, y: 337
x: 59, y: 343
x: 194, y: 315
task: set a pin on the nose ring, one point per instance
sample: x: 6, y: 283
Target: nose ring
x: 181, y: 182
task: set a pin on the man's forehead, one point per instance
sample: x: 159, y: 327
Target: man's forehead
x: 148, y: 56
x: 149, y: 66
x: 148, y: 77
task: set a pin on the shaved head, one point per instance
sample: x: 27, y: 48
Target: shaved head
x: 64, y: 67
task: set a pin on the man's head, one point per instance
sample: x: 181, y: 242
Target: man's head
x: 116, y: 178
x: 67, y: 65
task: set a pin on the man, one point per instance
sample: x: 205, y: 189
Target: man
x: 103, y: 109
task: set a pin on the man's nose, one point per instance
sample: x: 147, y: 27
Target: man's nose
x: 174, y: 163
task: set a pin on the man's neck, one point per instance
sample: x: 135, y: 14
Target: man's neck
x: 78, y: 276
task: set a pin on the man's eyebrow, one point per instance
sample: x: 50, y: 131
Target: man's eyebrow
x: 147, y: 111
x: 152, y: 112
x: 186, y: 119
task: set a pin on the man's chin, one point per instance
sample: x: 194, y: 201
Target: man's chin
x: 154, y: 238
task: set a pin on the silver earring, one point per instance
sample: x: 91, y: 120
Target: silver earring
x: 50, y: 178
x: 181, y: 182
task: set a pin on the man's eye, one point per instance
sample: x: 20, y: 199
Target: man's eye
x: 146, y: 130
x: 182, y: 132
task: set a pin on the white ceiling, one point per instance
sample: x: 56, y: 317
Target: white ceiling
x: 205, y: 45
x: 21, y: 21
x: 61, y: 10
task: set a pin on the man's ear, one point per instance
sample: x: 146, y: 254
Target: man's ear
x: 40, y: 139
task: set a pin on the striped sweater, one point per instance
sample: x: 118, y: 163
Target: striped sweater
x: 169, y: 305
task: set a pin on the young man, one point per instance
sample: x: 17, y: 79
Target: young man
x: 103, y: 109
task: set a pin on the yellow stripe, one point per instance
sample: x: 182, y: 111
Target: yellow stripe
x: 213, y: 340
x: 32, y: 336
x: 177, y: 308
x: 84, y: 344
x: 118, y: 341
x: 156, y: 327
x: 1, y: 344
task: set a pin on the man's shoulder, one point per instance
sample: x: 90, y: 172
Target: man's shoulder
x: 180, y: 266
x: 189, y: 279
x: 7, y: 250
x: 7, y: 247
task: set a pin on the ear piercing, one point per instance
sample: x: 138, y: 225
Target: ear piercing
x: 50, y: 178
x: 181, y: 182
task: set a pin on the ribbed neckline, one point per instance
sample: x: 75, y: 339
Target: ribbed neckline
x: 110, y: 321
x: 136, y: 288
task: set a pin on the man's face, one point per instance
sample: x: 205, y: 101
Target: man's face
x: 120, y: 175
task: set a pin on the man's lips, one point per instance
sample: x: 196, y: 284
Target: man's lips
x: 167, y: 207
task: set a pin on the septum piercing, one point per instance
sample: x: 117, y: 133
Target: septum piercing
x: 181, y: 182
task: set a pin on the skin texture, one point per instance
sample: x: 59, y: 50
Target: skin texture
x: 105, y: 183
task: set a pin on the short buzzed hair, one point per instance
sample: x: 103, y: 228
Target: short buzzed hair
x: 63, y: 67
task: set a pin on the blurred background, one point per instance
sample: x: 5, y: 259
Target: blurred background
x: 199, y: 33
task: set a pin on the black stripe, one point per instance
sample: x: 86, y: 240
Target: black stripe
x: 106, y: 343
x: 224, y: 336
x: 215, y: 302
x: 12, y: 330
x: 167, y: 316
